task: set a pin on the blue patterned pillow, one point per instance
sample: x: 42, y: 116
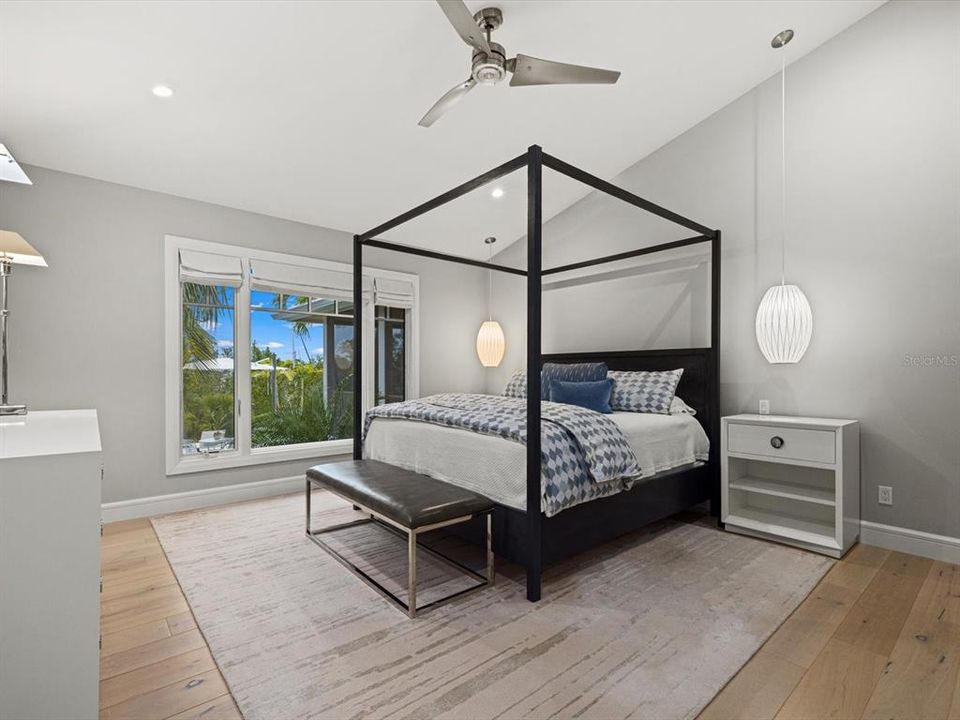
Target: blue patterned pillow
x: 570, y: 372
x: 516, y: 385
x: 643, y: 391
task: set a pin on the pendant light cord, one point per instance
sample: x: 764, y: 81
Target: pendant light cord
x: 783, y: 166
x: 489, y: 281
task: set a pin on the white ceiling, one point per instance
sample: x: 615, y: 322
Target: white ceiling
x: 309, y: 111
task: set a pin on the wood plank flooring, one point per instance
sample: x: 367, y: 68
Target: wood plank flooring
x: 154, y: 663
x: 879, y: 639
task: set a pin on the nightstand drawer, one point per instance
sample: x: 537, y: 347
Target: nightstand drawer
x: 782, y: 442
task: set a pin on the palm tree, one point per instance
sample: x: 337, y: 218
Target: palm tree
x: 299, y: 326
x: 202, y: 305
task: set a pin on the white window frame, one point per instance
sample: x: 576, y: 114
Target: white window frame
x: 244, y: 454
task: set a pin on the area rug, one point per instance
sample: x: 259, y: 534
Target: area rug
x: 650, y: 626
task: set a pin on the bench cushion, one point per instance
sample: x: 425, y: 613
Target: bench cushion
x: 408, y: 498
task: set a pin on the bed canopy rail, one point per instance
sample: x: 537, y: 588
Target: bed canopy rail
x: 534, y: 159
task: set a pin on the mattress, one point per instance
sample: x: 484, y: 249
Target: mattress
x: 496, y: 467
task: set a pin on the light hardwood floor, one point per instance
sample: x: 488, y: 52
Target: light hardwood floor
x: 879, y: 639
x: 154, y: 663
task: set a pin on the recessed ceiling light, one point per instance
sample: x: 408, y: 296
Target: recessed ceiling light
x: 162, y: 91
x: 497, y: 193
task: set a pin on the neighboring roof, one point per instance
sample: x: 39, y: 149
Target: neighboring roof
x: 224, y: 364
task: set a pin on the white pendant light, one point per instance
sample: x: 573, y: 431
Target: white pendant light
x: 490, y: 341
x: 784, y: 319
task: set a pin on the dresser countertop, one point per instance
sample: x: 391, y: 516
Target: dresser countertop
x: 49, y: 432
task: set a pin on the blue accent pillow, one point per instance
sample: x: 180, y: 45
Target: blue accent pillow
x: 570, y: 372
x: 592, y: 395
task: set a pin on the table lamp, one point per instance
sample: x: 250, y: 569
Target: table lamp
x: 14, y: 250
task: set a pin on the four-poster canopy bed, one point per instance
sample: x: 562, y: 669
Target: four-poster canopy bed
x: 528, y: 536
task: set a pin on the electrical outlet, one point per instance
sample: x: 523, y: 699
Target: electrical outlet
x: 764, y: 407
x: 885, y: 495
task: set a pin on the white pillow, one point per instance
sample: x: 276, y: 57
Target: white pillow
x: 679, y: 407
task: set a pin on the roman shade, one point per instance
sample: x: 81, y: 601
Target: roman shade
x: 316, y: 282
x: 203, y: 268
x: 394, y: 293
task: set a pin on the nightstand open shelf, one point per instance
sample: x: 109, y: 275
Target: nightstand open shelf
x: 808, y: 530
x: 789, y: 490
x: 793, y: 480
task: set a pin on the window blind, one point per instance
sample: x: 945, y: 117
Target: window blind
x: 394, y: 293
x: 205, y: 268
x: 315, y: 282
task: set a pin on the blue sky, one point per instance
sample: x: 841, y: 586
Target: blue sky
x: 268, y: 332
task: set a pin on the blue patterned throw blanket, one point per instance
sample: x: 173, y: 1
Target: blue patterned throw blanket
x: 585, y: 455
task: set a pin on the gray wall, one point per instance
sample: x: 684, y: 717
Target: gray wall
x: 873, y: 153
x: 88, y: 330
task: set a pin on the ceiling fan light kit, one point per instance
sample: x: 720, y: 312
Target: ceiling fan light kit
x: 490, y: 64
x: 784, y: 323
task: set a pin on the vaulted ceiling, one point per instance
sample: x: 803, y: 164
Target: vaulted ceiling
x: 308, y: 111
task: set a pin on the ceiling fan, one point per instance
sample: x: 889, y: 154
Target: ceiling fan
x: 490, y: 64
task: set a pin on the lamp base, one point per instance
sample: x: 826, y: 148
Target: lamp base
x: 13, y: 410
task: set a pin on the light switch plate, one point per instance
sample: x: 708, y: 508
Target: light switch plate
x: 764, y: 407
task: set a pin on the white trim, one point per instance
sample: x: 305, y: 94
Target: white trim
x: 915, y: 542
x: 260, y: 456
x: 244, y: 454
x: 193, y: 499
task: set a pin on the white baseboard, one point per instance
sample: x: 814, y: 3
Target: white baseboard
x: 192, y: 499
x: 915, y: 542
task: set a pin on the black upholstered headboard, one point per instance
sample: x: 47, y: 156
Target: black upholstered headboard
x: 698, y: 388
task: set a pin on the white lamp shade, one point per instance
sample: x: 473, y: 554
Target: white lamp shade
x: 490, y: 344
x: 18, y: 251
x: 10, y: 169
x: 784, y: 324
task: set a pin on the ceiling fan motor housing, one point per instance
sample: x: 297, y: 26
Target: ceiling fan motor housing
x: 489, y: 69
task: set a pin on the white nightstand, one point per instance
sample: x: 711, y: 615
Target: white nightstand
x: 795, y: 480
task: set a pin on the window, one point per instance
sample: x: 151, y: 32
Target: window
x: 390, y: 354
x: 301, y: 379
x: 208, y: 393
x: 260, y: 353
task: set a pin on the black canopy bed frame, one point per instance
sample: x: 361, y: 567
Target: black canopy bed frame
x: 531, y: 538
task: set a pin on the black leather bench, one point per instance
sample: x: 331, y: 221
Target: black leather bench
x: 408, y: 503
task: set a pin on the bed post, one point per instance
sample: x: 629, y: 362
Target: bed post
x: 534, y: 556
x: 715, y: 373
x: 357, y: 348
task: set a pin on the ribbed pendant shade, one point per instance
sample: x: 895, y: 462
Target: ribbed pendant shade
x: 784, y: 324
x: 490, y: 344
x: 784, y: 318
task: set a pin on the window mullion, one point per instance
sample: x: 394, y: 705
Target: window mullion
x: 241, y: 353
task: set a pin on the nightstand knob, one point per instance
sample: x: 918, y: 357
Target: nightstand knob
x: 776, y: 441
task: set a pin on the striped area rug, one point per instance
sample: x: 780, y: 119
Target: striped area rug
x: 651, y: 626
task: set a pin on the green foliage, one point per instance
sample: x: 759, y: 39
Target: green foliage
x: 303, y: 416
x: 207, y: 402
x: 198, y: 344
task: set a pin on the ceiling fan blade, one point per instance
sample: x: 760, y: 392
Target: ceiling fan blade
x: 534, y: 71
x: 451, y: 98
x: 462, y: 20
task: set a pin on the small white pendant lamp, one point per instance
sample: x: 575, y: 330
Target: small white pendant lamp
x: 490, y: 341
x: 784, y: 318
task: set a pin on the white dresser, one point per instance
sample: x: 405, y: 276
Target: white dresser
x: 50, y: 475
x: 792, y: 479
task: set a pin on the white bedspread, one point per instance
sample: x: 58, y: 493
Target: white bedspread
x: 496, y: 468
